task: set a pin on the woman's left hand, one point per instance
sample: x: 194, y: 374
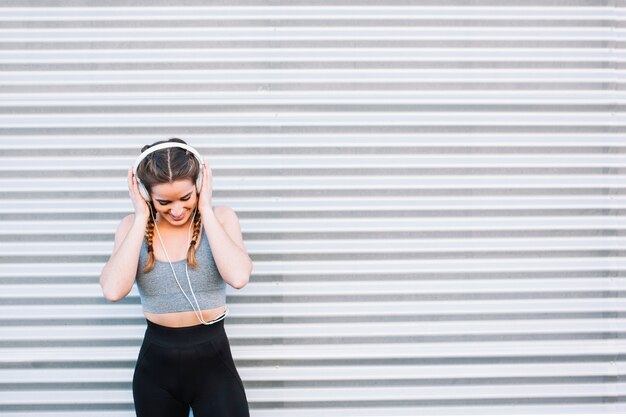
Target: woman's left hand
x: 206, y: 190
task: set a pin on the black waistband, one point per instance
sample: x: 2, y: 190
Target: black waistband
x: 184, y: 336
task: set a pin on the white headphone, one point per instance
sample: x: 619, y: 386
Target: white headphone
x: 142, y: 189
x: 146, y: 195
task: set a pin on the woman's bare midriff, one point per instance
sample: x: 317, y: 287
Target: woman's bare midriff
x: 184, y: 318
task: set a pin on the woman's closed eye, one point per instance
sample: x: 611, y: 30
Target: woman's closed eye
x: 165, y: 203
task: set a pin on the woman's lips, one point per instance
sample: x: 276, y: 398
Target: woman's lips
x: 177, y: 218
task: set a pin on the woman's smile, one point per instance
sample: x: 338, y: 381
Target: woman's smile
x: 177, y: 219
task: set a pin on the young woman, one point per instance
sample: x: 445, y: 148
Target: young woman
x: 185, y: 359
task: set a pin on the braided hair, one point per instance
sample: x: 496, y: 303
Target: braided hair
x: 164, y: 166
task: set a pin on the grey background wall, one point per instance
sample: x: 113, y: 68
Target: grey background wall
x: 432, y: 194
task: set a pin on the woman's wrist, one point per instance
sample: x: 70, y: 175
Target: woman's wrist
x: 204, y: 209
x: 141, y: 219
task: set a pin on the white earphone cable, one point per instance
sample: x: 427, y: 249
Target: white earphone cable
x: 200, y: 317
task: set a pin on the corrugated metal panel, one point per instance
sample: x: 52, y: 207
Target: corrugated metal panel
x: 433, y: 196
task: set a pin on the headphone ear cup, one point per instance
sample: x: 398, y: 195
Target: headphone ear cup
x: 199, y: 180
x: 142, y: 190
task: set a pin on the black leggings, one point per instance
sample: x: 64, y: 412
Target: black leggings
x: 179, y: 367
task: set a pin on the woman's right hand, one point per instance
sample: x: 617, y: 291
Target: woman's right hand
x: 142, y: 210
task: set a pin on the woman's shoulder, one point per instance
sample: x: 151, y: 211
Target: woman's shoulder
x: 127, y: 221
x: 122, y: 230
x: 125, y: 225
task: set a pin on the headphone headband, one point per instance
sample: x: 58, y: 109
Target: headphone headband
x: 165, y: 145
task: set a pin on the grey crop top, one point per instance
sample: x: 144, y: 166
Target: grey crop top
x: 159, y: 292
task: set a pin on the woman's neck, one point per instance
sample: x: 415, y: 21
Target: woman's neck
x: 163, y: 224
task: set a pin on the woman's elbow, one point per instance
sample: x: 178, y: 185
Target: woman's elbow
x: 110, y: 294
x: 239, y: 284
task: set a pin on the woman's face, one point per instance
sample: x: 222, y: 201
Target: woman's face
x: 175, y: 202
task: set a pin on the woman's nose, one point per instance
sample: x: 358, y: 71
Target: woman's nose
x: 177, y: 210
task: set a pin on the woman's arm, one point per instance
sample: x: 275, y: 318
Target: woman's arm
x: 118, y: 274
x: 224, y: 235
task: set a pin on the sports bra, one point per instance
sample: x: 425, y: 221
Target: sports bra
x: 159, y: 292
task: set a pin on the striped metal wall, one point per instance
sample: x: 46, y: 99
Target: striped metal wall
x: 433, y: 194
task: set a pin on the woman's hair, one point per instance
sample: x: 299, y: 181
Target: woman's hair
x: 164, y: 166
